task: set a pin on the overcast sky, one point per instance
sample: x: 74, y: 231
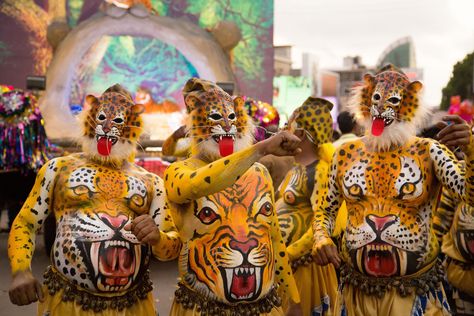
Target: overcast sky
x: 442, y: 32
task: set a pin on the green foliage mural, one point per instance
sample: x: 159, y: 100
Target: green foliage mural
x: 252, y: 58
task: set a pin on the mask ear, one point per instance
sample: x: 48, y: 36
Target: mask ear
x: 369, y: 79
x: 192, y: 102
x: 138, y: 109
x: 240, y: 111
x: 415, y: 87
x: 90, y: 102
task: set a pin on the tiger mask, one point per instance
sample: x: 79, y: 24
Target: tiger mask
x: 388, y: 106
x: 230, y: 257
x: 219, y: 125
x: 112, y: 125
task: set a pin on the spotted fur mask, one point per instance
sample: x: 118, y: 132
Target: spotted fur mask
x: 314, y: 116
x: 112, y: 125
x: 219, y: 125
x: 388, y: 106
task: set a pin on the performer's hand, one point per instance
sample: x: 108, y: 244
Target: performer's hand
x: 145, y: 229
x: 25, y: 289
x: 294, y: 310
x: 180, y: 132
x: 455, y: 132
x: 281, y: 144
x: 325, y: 252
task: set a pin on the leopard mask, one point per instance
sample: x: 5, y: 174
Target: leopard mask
x: 111, y: 126
x: 388, y: 106
x: 219, y: 125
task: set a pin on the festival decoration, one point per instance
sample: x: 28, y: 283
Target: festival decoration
x: 464, y: 109
x: 263, y: 114
x: 23, y: 141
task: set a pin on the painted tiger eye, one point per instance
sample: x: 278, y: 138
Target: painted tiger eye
x: 408, y: 188
x: 289, y: 197
x: 355, y: 190
x: 81, y: 189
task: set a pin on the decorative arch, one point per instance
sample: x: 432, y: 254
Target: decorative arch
x: 194, y: 43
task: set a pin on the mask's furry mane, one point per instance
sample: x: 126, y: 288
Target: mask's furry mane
x: 208, y: 150
x: 398, y: 133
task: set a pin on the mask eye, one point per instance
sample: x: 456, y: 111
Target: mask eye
x: 101, y: 117
x: 266, y: 209
x: 118, y: 120
x: 394, y: 100
x: 232, y: 116
x: 215, y: 116
x: 376, y: 97
x: 207, y: 216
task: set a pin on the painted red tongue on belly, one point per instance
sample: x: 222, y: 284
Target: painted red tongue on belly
x: 226, y: 146
x: 104, y: 146
x: 377, y: 126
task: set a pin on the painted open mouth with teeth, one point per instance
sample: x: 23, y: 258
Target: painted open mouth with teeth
x: 218, y: 138
x: 465, y: 238
x: 243, y: 283
x: 115, y: 264
x: 379, y: 123
x: 386, y: 121
x: 379, y: 259
x: 109, y: 139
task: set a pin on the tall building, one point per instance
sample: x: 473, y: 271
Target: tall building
x: 282, y: 60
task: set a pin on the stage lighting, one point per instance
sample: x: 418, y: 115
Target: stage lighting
x: 35, y: 82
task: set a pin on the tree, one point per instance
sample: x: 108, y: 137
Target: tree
x: 461, y: 82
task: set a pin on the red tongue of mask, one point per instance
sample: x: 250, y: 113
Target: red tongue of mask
x: 104, y: 146
x: 377, y: 126
x: 226, y: 146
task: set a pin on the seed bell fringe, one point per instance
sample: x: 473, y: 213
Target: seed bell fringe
x: 304, y: 260
x: 88, y: 301
x: 431, y: 279
x: 190, y: 299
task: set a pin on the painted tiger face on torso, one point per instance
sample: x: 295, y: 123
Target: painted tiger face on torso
x: 293, y: 204
x: 227, y: 253
x: 463, y: 231
x: 390, y: 197
x: 93, y: 204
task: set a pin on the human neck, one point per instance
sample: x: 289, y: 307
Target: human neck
x: 308, y: 153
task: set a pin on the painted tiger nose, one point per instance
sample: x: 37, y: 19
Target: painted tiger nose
x: 226, y: 128
x: 379, y: 224
x: 243, y: 247
x: 114, y: 221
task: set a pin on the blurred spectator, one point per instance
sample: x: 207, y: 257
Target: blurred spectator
x: 348, y: 128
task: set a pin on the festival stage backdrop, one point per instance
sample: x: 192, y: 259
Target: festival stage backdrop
x: 136, y: 62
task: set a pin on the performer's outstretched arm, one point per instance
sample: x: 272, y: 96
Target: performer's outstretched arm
x: 24, y: 288
x: 188, y: 180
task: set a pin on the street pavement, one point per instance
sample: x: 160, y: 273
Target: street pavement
x: 164, y: 276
